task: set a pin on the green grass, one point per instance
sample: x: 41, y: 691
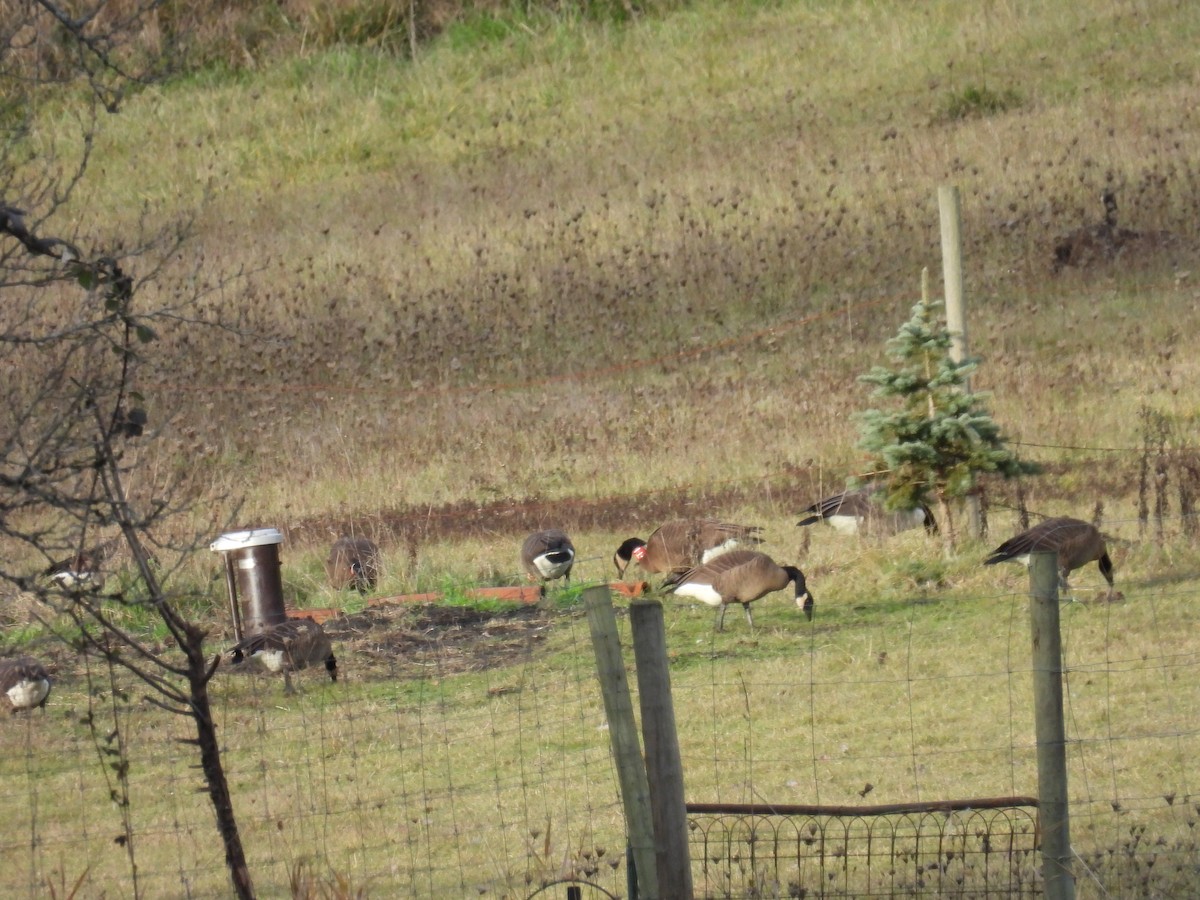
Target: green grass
x: 373, y: 780
x: 571, y: 262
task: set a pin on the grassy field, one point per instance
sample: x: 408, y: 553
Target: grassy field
x: 554, y: 271
x: 463, y: 752
x: 455, y: 290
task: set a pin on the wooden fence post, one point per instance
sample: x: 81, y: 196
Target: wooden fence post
x: 950, y: 209
x: 1050, y: 727
x: 622, y: 731
x: 663, y: 764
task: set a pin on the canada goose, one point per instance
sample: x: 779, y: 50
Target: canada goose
x: 287, y: 647
x: 1076, y: 542
x: 679, y: 544
x: 548, y: 554
x: 740, y: 576
x: 861, y: 511
x: 84, y: 571
x: 1098, y: 242
x: 353, y: 562
x: 24, y: 683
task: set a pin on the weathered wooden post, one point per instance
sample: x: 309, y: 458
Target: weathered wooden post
x: 950, y: 208
x: 622, y: 731
x: 663, y: 764
x: 1050, y: 727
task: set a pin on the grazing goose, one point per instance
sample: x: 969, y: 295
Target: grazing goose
x: 1095, y: 243
x: 353, y: 562
x: 1076, y: 542
x: 84, y: 570
x: 740, y: 576
x: 679, y: 544
x: 287, y: 647
x: 860, y: 511
x: 24, y: 683
x: 548, y: 554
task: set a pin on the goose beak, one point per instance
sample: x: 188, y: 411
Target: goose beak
x: 805, y: 602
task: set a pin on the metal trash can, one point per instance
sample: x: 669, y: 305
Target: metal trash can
x: 252, y: 572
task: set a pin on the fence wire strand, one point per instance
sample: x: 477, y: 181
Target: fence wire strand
x: 495, y: 779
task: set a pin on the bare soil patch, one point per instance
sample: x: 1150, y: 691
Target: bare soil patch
x: 413, y: 642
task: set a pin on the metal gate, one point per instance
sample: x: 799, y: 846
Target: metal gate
x: 969, y: 848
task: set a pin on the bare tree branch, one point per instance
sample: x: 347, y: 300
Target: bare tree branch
x: 75, y: 336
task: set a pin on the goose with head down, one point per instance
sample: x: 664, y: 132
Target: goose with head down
x: 84, y: 570
x: 1075, y: 542
x: 680, y: 544
x: 740, y: 576
x: 547, y: 555
x: 861, y: 511
x: 287, y: 647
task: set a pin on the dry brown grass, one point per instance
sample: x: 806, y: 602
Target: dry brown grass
x: 520, y: 285
x: 588, y: 266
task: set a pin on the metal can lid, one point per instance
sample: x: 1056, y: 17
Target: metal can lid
x: 239, y: 540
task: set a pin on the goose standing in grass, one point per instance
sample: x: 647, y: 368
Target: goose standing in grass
x: 740, y: 576
x: 1095, y: 243
x: 547, y: 555
x: 85, y: 570
x: 353, y: 562
x: 861, y: 511
x: 680, y: 544
x: 24, y: 683
x: 1076, y: 542
x: 287, y: 647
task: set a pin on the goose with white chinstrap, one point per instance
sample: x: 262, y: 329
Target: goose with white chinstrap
x: 740, y: 576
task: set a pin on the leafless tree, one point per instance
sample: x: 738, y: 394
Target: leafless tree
x: 72, y: 337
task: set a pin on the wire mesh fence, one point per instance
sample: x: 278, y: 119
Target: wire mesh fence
x: 473, y: 759
x: 444, y: 785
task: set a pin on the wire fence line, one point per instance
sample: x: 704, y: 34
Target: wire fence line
x: 398, y: 787
x: 469, y: 779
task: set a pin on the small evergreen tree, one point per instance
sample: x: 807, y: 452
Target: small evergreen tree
x: 931, y: 449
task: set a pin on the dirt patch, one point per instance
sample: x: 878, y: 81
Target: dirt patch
x: 417, y: 642
x: 392, y: 642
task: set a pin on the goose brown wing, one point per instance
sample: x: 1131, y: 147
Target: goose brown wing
x: 1049, y: 535
x: 353, y: 561
x: 280, y: 636
x: 674, y: 534
x: 848, y: 503
x: 673, y: 545
x: 542, y: 541
x: 718, y: 565
x: 24, y: 668
x: 856, y: 502
x: 712, y: 533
